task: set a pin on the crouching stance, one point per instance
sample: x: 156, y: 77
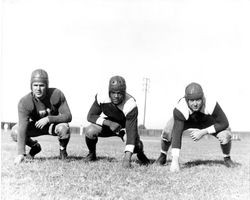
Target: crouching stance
x: 114, y: 113
x: 199, y: 116
x: 44, y: 111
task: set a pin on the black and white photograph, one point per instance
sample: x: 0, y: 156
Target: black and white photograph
x: 125, y: 99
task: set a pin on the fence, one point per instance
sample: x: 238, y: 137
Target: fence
x: 236, y: 135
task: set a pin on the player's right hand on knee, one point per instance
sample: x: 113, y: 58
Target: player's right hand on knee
x: 114, y: 126
x: 19, y: 159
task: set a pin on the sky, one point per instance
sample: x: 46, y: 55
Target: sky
x: 81, y: 44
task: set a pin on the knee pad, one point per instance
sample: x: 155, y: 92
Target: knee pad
x: 14, y: 133
x: 91, y: 132
x: 63, y: 131
x: 224, y: 136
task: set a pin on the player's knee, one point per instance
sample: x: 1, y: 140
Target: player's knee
x: 91, y: 132
x: 63, y: 131
x: 14, y: 133
x: 166, y: 136
x: 224, y: 136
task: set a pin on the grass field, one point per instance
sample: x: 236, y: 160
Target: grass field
x: 202, y: 176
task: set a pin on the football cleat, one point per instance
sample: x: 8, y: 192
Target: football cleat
x: 143, y: 158
x: 35, y: 149
x: 91, y: 156
x: 162, y: 159
x: 228, y: 162
x: 63, y: 154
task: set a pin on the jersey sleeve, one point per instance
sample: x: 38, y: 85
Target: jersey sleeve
x: 131, y: 129
x: 94, y: 114
x: 64, y: 115
x: 221, y: 121
x: 23, y: 121
x: 178, y: 128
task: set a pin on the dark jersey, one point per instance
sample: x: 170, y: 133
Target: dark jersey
x: 54, y: 105
x: 125, y: 114
x: 210, y: 117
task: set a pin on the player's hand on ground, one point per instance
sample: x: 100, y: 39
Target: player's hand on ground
x: 126, y: 162
x: 198, y: 134
x: 175, y: 167
x: 19, y: 159
x: 42, y: 122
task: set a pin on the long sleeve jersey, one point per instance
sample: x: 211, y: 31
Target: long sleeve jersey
x: 210, y: 117
x: 125, y: 114
x: 54, y: 105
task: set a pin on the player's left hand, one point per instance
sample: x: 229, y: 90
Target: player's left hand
x: 126, y: 162
x: 42, y: 122
x: 19, y: 159
x: 175, y: 166
x: 198, y: 134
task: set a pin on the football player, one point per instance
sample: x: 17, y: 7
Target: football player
x: 114, y: 113
x: 199, y: 116
x: 43, y: 111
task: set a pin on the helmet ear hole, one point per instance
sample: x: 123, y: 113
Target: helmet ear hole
x: 117, y: 83
x: 39, y: 75
x: 194, y: 91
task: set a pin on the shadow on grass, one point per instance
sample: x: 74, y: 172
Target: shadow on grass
x: 75, y: 158
x: 135, y: 160
x: 107, y: 159
x: 206, y: 162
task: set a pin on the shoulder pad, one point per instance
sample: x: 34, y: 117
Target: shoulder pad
x: 209, y: 105
x: 183, y: 108
x: 103, y: 97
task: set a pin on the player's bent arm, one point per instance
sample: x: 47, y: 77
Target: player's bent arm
x: 131, y: 129
x: 23, y: 121
x: 64, y: 115
x: 94, y: 114
x: 177, y: 128
x: 221, y: 121
x: 21, y: 137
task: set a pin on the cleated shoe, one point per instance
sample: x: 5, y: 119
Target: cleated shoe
x: 91, y: 157
x: 143, y: 158
x: 63, y: 154
x: 228, y: 162
x: 35, y: 149
x: 162, y: 159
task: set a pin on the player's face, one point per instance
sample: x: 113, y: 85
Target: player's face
x: 116, y: 97
x: 195, y: 104
x: 39, y: 89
